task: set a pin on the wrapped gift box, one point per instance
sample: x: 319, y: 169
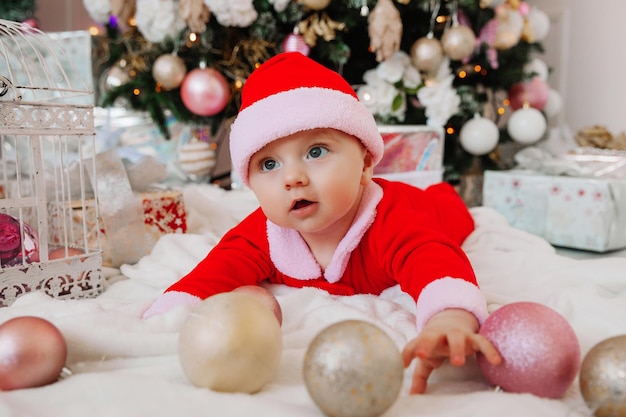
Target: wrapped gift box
x: 163, y: 212
x: 413, y: 154
x: 572, y: 212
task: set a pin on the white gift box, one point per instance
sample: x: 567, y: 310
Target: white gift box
x: 572, y: 212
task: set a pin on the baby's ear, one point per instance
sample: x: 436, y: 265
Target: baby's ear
x: 368, y: 168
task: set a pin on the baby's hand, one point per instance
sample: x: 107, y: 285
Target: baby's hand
x: 449, y: 334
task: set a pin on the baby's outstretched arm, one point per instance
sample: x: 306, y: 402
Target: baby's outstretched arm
x: 449, y: 334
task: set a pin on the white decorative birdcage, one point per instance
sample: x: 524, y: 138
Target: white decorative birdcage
x: 47, y: 168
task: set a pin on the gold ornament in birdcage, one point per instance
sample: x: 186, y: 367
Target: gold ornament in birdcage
x: 47, y: 168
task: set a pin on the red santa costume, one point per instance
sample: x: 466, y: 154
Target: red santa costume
x: 401, y: 235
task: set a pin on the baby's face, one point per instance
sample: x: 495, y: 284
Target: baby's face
x: 311, y: 181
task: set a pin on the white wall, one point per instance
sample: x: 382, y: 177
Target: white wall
x: 596, y: 89
x: 585, y: 49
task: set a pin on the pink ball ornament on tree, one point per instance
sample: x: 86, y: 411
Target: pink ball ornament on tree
x: 205, y: 91
x: 533, y: 93
x: 294, y: 42
x: 540, y: 351
x: 14, y: 242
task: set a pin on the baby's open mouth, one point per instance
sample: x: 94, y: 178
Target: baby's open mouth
x: 301, y: 204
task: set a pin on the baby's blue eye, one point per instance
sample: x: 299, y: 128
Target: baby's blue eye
x: 317, y: 152
x: 269, y: 165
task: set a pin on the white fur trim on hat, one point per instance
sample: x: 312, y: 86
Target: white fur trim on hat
x: 297, y: 110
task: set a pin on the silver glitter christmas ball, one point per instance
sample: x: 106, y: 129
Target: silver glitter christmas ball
x: 353, y: 369
x: 603, y: 378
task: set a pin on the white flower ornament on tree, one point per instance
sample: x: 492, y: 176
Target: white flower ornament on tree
x: 99, y: 10
x: 439, y: 97
x: 239, y: 13
x: 156, y: 19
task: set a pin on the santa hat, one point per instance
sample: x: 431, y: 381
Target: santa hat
x: 291, y: 93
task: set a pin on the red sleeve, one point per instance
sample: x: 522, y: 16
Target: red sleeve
x: 419, y: 234
x: 240, y: 258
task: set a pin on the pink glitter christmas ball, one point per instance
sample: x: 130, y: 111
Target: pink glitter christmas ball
x: 540, y: 351
x: 205, y: 91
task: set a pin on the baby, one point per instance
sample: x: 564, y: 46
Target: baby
x: 307, y: 148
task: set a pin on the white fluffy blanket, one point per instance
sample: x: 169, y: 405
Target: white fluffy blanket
x: 125, y: 366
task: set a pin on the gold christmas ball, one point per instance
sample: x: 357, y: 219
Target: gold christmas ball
x: 231, y: 342
x: 353, y: 369
x: 458, y: 42
x: 603, y: 378
x: 315, y: 4
x: 169, y: 70
x: 426, y: 54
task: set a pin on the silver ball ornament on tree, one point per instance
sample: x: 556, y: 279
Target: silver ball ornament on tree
x: 169, y: 70
x: 353, y: 369
x: 602, y: 378
x: 458, y: 42
x: 427, y: 54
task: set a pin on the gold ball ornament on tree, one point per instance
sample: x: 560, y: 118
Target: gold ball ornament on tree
x: 526, y: 125
x: 169, y: 70
x: 353, y: 369
x: 427, y: 54
x: 458, y: 42
x: 231, y: 342
x: 602, y: 378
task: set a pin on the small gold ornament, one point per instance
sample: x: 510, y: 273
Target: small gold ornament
x: 458, y: 42
x: 316, y: 26
x: 427, y: 54
x: 602, y: 381
x: 169, y: 70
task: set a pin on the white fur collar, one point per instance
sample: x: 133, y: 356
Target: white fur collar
x: 291, y: 255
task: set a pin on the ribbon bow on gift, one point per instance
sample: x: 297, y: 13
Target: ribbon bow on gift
x: 583, y: 162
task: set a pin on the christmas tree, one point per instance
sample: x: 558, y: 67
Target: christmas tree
x: 469, y: 66
x: 18, y: 11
